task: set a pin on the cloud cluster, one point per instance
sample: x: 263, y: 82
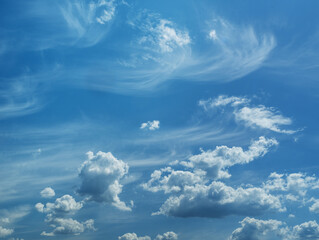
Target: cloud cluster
x: 4, y: 232
x: 252, y: 116
x: 255, y: 229
x: 100, y: 179
x: 151, y: 125
x: 165, y: 236
x: 196, y: 193
x: 58, y: 216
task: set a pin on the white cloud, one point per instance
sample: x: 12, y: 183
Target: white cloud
x: 215, y: 162
x: 254, y: 229
x: 315, y: 206
x: 4, y: 232
x: 263, y: 117
x: 296, y: 184
x: 47, y: 192
x: 87, y: 20
x: 100, y: 176
x: 252, y: 116
x: 306, y: 231
x: 151, y: 125
x: 218, y: 200
x: 213, y: 34
x: 165, y: 236
x: 63, y: 205
x: 133, y: 236
x: 69, y: 226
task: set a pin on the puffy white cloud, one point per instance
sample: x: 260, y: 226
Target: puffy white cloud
x: 165, y: 236
x: 296, y: 184
x: 305, y: 231
x: 151, y: 125
x: 4, y: 232
x: 133, y: 236
x: 216, y: 162
x: 254, y: 229
x: 252, y: 116
x: 169, y: 180
x: 47, y: 192
x: 315, y: 206
x: 68, y: 226
x: 100, y: 176
x: 218, y: 200
x: 63, y: 205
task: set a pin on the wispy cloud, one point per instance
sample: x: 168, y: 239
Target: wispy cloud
x: 252, y: 116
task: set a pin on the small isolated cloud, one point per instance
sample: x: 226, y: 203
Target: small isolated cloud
x: 254, y: 229
x: 165, y: 236
x: 4, y: 232
x: 213, y: 34
x: 47, y: 192
x: 151, y: 125
x: 252, y: 116
x: 315, y: 206
x: 100, y: 176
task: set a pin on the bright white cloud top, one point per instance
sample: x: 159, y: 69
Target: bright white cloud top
x: 47, y: 192
x: 151, y: 125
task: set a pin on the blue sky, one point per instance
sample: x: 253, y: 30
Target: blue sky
x: 164, y: 120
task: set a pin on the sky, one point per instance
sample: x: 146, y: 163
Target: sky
x: 159, y: 120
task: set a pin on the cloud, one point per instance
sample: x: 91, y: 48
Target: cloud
x: 218, y: 200
x: 215, y: 162
x: 69, y: 226
x: 296, y: 184
x: 254, y: 229
x: 165, y: 236
x: 57, y: 215
x: 252, y: 116
x: 4, y: 232
x: 151, y: 125
x: 63, y: 205
x: 100, y: 176
x: 194, y: 194
x: 87, y: 20
x: 229, y: 52
x: 306, y: 231
x: 47, y: 192
x: 315, y: 207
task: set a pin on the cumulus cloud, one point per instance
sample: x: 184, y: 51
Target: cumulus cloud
x: 63, y: 205
x: 296, y: 184
x: 252, y: 116
x: 215, y: 162
x: 58, y: 216
x: 150, y: 125
x: 47, y: 192
x: 4, y: 232
x: 69, y: 226
x: 165, y: 236
x: 254, y: 229
x: 194, y: 194
x: 100, y: 176
x: 218, y: 200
